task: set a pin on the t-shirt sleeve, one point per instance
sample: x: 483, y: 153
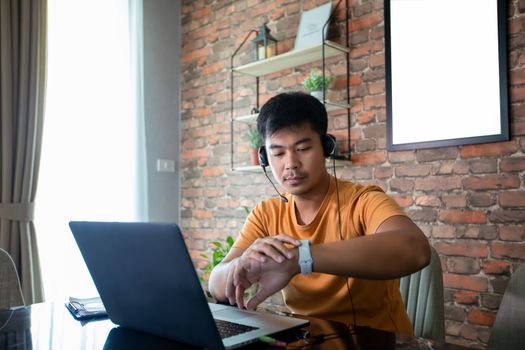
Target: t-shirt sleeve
x: 253, y: 229
x: 374, y: 207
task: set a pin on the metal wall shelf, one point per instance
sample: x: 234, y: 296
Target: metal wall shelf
x: 290, y: 59
x: 330, y: 107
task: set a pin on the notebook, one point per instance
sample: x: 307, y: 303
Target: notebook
x: 147, y: 282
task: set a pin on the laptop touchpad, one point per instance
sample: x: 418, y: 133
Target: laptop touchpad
x: 231, y: 314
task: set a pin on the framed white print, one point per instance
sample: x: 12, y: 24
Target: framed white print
x: 446, y: 72
x: 311, y: 26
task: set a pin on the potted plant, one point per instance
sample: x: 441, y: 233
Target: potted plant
x: 316, y: 84
x: 255, y: 142
x: 219, y: 252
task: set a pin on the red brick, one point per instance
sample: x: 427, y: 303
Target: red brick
x: 477, y: 316
x: 365, y: 117
x: 489, y: 149
x: 463, y: 217
x: 376, y: 87
x: 463, y: 265
x: 507, y: 216
x: 521, y: 6
x: 367, y: 21
x: 413, y: 170
x: 466, y: 297
x: 454, y: 201
x: 376, y: 60
x: 463, y: 248
x: 464, y: 282
x: 383, y: 172
x: 491, y: 182
x: 517, y: 76
x: 212, y: 68
x: 355, y: 79
x: 508, y: 250
x: 202, y: 214
x: 403, y: 201
x: 517, y: 127
x: 441, y: 183
x: 374, y: 102
x: 195, y: 153
x: 443, y: 231
x: 213, y: 171
x: 369, y: 158
x: 512, y: 233
x: 401, y: 156
x: 496, y: 267
x: 193, y: 55
x: 428, y: 201
x: 517, y: 94
x: 512, y: 199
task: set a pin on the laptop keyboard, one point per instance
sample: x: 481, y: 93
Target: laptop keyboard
x: 229, y: 329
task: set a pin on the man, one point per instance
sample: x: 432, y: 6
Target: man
x: 356, y: 240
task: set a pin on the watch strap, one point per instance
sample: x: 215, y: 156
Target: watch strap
x: 305, y: 257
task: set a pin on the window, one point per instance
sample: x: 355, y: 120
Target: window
x: 90, y: 152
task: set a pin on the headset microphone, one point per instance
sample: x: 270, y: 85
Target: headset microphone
x: 283, y: 198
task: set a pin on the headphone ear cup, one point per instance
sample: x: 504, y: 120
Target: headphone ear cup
x: 329, y: 145
x: 263, y: 157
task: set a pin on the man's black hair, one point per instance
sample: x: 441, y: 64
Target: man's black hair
x: 292, y: 109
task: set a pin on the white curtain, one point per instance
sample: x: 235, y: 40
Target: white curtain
x: 92, y: 153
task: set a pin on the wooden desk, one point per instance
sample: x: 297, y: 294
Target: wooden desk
x: 50, y: 326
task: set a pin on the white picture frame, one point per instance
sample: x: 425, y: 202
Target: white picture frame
x: 446, y: 72
x: 310, y: 31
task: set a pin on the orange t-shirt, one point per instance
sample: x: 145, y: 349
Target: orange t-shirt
x: 378, y: 303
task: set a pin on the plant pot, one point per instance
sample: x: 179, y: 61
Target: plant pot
x: 318, y: 95
x: 254, y: 156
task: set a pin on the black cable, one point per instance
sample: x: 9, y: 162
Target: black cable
x: 341, y: 237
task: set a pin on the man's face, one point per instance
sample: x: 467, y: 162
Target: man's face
x: 297, y: 159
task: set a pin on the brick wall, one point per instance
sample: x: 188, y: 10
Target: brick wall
x: 469, y: 200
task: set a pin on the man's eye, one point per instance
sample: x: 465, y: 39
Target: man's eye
x: 280, y: 154
x: 302, y: 149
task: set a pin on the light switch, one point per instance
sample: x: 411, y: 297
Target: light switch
x: 165, y: 165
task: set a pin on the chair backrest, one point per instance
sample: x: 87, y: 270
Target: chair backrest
x: 508, y: 331
x: 422, y: 293
x: 10, y: 289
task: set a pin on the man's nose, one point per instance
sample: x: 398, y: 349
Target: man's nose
x: 291, y: 161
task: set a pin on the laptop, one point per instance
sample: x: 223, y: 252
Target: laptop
x: 147, y: 282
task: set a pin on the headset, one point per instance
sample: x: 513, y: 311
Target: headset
x: 329, y: 150
x: 327, y: 141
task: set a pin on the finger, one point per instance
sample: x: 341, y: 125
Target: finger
x: 268, y: 250
x: 239, y: 296
x: 254, y: 254
x: 230, y: 288
x: 287, y: 239
x: 257, y: 298
x: 275, y: 249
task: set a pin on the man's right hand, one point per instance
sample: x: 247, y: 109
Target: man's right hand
x: 274, y: 249
x: 271, y: 276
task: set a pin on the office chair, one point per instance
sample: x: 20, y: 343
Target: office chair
x: 508, y: 331
x: 10, y: 289
x: 422, y: 294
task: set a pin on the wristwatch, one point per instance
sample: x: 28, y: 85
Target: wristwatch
x: 305, y: 258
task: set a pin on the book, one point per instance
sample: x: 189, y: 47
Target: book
x: 86, y: 308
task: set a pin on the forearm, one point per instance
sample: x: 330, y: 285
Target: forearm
x: 382, y: 255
